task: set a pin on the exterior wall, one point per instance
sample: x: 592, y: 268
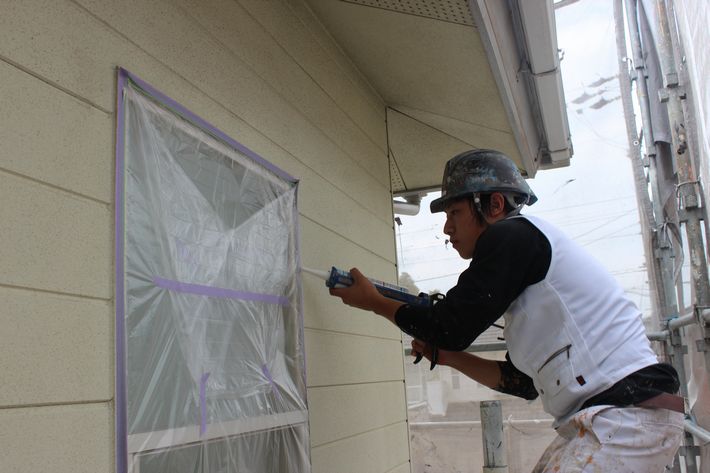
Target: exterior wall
x: 267, y: 74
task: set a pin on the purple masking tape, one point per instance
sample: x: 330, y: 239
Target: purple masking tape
x: 274, y: 388
x: 206, y: 126
x: 120, y: 419
x: 299, y: 289
x: 203, y: 403
x: 219, y: 292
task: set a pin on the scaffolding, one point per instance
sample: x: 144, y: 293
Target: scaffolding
x: 685, y: 211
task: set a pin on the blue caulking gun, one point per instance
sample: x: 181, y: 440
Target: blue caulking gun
x: 339, y: 278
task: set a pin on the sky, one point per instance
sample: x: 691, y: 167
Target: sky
x: 593, y: 199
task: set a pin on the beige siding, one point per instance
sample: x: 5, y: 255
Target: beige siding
x: 55, y: 138
x: 268, y: 75
x: 74, y: 438
x: 336, y: 358
x: 54, y: 240
x: 402, y: 468
x: 378, y: 450
x: 342, y: 411
x: 56, y: 348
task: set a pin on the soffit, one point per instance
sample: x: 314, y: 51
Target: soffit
x: 426, y: 60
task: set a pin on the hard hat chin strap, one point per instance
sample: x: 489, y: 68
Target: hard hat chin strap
x: 477, y: 203
x: 517, y: 206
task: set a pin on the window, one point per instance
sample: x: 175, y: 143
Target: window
x: 210, y: 361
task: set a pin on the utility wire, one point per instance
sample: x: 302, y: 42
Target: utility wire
x: 609, y: 234
x: 614, y: 237
x: 605, y: 224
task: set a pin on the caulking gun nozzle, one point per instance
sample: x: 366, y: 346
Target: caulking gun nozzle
x: 315, y: 272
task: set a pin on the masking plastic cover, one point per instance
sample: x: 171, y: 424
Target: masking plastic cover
x: 210, y: 361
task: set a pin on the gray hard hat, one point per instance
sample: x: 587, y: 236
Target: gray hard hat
x: 481, y: 171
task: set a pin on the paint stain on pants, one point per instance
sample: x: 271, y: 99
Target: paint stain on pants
x: 607, y: 439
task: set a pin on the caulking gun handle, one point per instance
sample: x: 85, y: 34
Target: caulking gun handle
x: 434, y: 356
x: 419, y: 357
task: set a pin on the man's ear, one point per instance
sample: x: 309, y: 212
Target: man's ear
x: 497, y: 206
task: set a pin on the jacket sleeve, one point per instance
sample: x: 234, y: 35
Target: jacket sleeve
x: 509, y: 256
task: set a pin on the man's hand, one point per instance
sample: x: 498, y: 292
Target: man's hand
x: 362, y: 294
x: 486, y: 372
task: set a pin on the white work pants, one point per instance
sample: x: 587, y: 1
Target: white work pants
x: 610, y: 439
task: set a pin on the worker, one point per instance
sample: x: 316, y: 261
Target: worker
x: 573, y: 338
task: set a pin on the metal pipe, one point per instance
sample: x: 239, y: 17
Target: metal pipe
x: 662, y: 246
x: 654, y: 336
x: 641, y: 86
x: 494, y: 455
x: 477, y: 423
x: 681, y: 321
x: 499, y: 346
x: 658, y: 336
x: 475, y: 348
x: 693, y: 428
x: 645, y: 206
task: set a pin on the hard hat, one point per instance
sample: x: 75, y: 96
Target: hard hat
x: 481, y: 171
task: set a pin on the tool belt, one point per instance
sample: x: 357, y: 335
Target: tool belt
x: 649, y: 387
x: 664, y: 401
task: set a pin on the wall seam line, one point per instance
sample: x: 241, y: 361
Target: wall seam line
x: 58, y: 293
x: 56, y: 187
x: 348, y: 437
x: 30, y: 72
x: 55, y: 404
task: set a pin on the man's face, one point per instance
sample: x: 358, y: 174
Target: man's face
x: 462, y: 227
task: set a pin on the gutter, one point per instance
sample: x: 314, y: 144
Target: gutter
x: 521, y: 45
x: 537, y: 37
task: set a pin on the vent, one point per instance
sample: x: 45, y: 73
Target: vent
x: 452, y: 11
x: 395, y: 177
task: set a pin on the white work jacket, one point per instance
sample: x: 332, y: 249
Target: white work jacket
x: 574, y: 333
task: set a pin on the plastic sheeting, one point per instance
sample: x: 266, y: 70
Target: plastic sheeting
x: 211, y: 327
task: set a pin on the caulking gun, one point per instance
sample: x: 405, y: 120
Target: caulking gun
x: 339, y: 278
